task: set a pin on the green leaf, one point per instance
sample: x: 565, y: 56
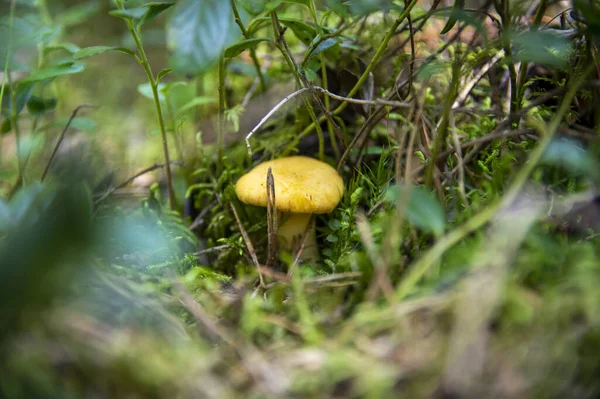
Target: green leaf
x: 38, y: 106
x: 423, y: 210
x: 542, y: 47
x: 95, y: 50
x: 53, y: 72
x: 23, y: 92
x: 193, y: 103
x: 79, y: 13
x: 364, y: 7
x: 78, y: 123
x: 68, y: 47
x: 304, y: 32
x: 145, y: 89
x: 458, y: 5
x: 236, y: 49
x: 198, y: 33
x: 5, y: 127
x: 162, y: 73
x: 324, y: 46
x: 253, y: 7
x: 154, y: 9
x: 338, y: 6
x: 133, y: 14
x: 571, y: 156
x: 303, y: 2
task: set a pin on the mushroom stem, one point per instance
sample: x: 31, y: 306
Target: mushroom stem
x: 291, y: 231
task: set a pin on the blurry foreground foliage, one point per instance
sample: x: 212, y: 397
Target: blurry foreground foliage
x: 463, y: 260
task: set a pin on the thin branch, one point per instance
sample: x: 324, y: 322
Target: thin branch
x: 132, y: 178
x: 269, y: 114
x: 469, y: 85
x: 62, y: 136
x: 249, y: 246
x: 272, y: 222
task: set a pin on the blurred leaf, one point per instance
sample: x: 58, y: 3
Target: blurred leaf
x: 49, y: 227
x: 194, y: 103
x: 78, y: 123
x: 198, y: 33
x: 540, y: 46
x: 236, y: 49
x: 339, y: 7
x: 95, y: 50
x: 303, y: 2
x: 133, y: 14
x: 588, y: 12
x: 5, y: 127
x: 430, y: 69
x: 68, y: 47
x: 38, y: 106
x: 468, y: 18
x: 53, y: 72
x: 364, y: 7
x: 145, y: 89
x: 78, y: 13
x: 423, y: 211
x: 21, y: 96
x: 304, y: 32
x: 458, y: 6
x: 253, y: 7
x: 568, y: 154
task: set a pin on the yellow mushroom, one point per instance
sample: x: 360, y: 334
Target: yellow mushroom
x: 303, y: 186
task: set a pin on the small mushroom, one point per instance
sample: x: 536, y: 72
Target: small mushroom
x: 303, y: 186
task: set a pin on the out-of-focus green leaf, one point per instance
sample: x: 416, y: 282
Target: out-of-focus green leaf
x: 78, y: 13
x: 194, y: 103
x: 145, y: 89
x: 364, y: 7
x: 198, y: 34
x: 68, y: 47
x: 47, y: 227
x: 423, y: 210
x: 53, y: 72
x: 38, y: 106
x: 458, y: 6
x: 237, y: 48
x: 540, y: 46
x: 95, y: 50
x: 253, y: 7
x: 23, y: 92
x: 78, y: 123
x: 5, y: 127
x: 571, y: 156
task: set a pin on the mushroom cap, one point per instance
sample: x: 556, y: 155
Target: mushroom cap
x: 302, y: 185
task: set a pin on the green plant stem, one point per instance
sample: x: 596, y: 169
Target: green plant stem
x: 285, y: 51
x: 5, y: 76
x: 512, y: 71
x: 143, y: 61
x: 309, y: 330
x: 442, y: 132
x: 326, y: 101
x: 525, y: 65
x: 433, y: 255
x: 363, y: 78
x: 238, y: 21
x: 221, y: 115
